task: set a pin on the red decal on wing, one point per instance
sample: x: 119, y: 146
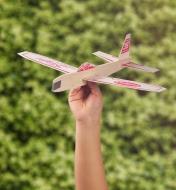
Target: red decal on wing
x: 86, y: 66
x: 48, y: 62
x: 125, y: 64
x: 128, y: 84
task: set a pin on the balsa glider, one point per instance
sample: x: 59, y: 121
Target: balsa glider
x: 75, y: 77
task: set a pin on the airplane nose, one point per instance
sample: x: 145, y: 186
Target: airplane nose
x: 56, y: 85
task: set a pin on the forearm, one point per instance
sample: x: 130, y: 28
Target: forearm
x: 89, y: 170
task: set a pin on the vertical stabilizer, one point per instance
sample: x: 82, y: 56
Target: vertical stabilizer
x: 125, y: 51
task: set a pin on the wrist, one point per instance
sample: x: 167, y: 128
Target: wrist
x: 87, y: 134
x: 88, y: 124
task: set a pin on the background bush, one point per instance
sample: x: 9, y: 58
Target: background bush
x: 36, y: 126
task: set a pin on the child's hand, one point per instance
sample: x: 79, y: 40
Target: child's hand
x: 86, y: 104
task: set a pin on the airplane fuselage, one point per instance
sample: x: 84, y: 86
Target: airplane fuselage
x: 86, y: 72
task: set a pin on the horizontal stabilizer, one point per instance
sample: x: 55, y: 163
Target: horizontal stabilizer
x: 140, y: 67
x: 105, y: 56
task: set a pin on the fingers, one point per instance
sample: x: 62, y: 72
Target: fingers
x: 75, y: 91
x: 75, y: 94
x: 94, y: 88
x: 86, y: 92
x: 83, y: 92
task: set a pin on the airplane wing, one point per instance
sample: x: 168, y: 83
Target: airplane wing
x: 48, y: 62
x: 129, y: 84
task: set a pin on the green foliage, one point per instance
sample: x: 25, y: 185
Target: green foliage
x: 36, y: 127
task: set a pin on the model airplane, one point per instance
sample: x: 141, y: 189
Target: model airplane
x: 75, y: 77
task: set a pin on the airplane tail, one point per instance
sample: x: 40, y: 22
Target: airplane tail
x: 125, y: 54
x: 125, y: 50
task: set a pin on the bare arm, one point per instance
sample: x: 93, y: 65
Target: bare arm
x: 86, y: 105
